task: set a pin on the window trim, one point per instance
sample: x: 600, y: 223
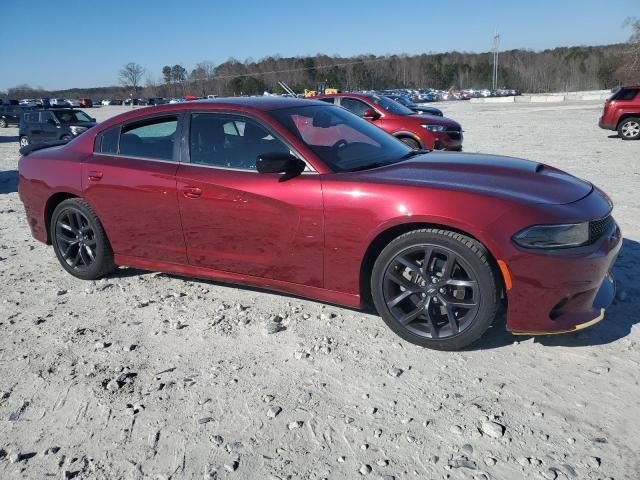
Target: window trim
x: 186, y: 140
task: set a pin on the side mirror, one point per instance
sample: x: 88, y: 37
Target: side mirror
x: 371, y: 114
x: 284, y: 163
x: 94, y: 120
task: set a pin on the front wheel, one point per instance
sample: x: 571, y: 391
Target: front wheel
x: 24, y: 140
x: 79, y: 240
x: 629, y: 129
x: 3, y: 123
x: 65, y: 138
x: 435, y: 288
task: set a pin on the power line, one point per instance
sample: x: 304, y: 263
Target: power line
x: 301, y: 69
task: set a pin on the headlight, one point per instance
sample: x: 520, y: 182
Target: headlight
x: 553, y: 236
x: 77, y: 130
x: 434, y: 128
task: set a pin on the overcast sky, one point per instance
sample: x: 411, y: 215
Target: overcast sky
x: 69, y: 43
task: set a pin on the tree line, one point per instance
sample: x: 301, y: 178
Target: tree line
x: 552, y: 70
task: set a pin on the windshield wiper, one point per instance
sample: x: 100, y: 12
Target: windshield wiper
x: 368, y: 166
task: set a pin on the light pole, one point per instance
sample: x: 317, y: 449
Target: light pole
x: 496, y: 43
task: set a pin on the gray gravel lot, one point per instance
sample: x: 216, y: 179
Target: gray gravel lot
x: 147, y: 375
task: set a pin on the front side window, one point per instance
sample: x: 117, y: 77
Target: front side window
x: 230, y: 141
x: 342, y: 140
x: 33, y: 117
x: 72, y: 116
x: 151, y: 138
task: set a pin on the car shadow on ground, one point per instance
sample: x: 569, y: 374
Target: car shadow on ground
x: 619, y: 319
x: 8, y: 181
x: 8, y: 139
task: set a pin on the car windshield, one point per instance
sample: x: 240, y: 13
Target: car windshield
x: 403, y: 100
x: 71, y: 116
x: 390, y: 105
x: 344, y: 141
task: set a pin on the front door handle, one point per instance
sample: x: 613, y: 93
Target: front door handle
x: 95, y: 176
x: 191, y: 192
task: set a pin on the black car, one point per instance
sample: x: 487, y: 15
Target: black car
x: 50, y: 125
x: 420, y: 110
x: 10, y: 115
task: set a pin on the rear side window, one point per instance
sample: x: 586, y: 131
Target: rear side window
x: 327, y: 100
x: 33, y: 117
x: 625, y: 94
x: 107, y: 142
x: 153, y: 138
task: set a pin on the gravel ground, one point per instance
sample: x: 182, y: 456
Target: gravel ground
x: 146, y: 375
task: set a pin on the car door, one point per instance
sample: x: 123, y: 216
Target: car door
x: 241, y: 221
x: 50, y: 128
x: 33, y: 126
x: 130, y: 182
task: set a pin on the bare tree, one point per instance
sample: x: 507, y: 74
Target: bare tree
x: 633, y: 55
x: 131, y: 76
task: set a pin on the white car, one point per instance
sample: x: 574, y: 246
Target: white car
x: 28, y: 102
x: 58, y: 102
x: 74, y: 102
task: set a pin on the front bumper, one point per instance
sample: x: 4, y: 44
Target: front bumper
x: 563, y: 292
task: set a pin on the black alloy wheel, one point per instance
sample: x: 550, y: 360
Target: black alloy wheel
x: 79, y: 240
x: 435, y: 288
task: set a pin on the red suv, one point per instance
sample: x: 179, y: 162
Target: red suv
x: 420, y: 132
x: 622, y: 113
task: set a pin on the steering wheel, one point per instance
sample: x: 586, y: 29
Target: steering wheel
x: 340, y: 144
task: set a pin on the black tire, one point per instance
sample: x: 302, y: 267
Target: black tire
x: 66, y: 138
x: 75, y: 225
x: 3, y: 123
x: 410, y: 142
x: 629, y: 128
x: 23, y: 140
x: 473, y: 307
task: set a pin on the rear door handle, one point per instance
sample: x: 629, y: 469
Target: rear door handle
x: 95, y: 176
x: 191, y: 192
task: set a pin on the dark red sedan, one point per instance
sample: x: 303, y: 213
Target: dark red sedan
x: 306, y: 198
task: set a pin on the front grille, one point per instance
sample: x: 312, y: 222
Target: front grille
x: 454, y: 133
x: 597, y: 228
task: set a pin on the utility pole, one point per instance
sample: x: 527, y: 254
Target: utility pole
x: 496, y: 43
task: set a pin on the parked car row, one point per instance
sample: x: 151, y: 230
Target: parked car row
x: 426, y: 95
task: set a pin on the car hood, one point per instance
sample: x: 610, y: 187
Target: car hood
x: 506, y: 177
x: 435, y: 120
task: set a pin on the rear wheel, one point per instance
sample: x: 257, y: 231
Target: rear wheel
x: 629, y: 129
x: 435, y: 288
x: 3, y: 123
x: 65, y: 138
x: 24, y: 140
x: 410, y: 142
x: 79, y: 240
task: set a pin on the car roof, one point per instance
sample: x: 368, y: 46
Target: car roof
x: 256, y: 103
x: 345, y: 94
